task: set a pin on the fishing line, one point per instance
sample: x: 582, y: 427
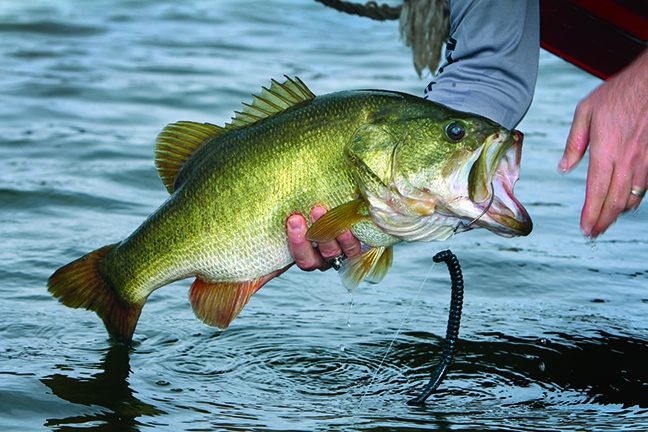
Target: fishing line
x: 400, y: 327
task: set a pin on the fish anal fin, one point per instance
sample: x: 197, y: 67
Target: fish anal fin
x: 218, y: 303
x: 372, y: 265
x: 334, y: 222
x: 175, y: 145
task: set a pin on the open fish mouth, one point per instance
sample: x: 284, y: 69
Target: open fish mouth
x: 492, y: 179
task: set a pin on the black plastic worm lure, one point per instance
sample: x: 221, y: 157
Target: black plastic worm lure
x: 452, y: 332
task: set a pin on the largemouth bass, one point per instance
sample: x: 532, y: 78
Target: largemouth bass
x: 389, y: 166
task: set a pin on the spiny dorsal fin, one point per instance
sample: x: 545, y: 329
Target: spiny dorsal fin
x: 176, y: 143
x: 277, y: 98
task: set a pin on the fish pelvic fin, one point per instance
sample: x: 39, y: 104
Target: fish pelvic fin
x: 218, y: 303
x: 175, y: 145
x: 334, y: 222
x: 80, y: 284
x: 382, y: 266
x: 371, y: 266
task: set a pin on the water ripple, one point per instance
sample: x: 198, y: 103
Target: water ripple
x: 553, y: 335
x: 52, y: 28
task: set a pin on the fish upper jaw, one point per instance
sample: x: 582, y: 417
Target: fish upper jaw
x: 504, y: 214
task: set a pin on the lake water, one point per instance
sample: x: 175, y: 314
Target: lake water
x: 555, y: 329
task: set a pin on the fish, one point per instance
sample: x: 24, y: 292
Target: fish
x: 389, y: 166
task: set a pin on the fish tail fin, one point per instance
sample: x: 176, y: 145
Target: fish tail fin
x: 80, y: 284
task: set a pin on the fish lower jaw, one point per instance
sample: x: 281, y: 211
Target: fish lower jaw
x: 506, y: 216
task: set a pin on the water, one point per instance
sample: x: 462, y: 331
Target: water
x: 554, y: 329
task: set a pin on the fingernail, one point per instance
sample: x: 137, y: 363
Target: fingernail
x: 294, y: 223
x: 562, y: 166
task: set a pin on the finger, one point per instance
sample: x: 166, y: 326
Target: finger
x: 301, y: 249
x: 599, y: 176
x: 329, y: 249
x: 349, y: 244
x: 639, y: 180
x: 578, y: 138
x: 615, y: 201
x: 638, y: 184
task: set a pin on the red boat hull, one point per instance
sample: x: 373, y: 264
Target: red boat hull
x: 599, y: 36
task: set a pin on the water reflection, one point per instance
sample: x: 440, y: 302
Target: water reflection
x: 605, y: 369
x: 109, y: 389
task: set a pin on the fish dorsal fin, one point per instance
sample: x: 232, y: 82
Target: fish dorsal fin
x: 176, y: 143
x: 277, y: 98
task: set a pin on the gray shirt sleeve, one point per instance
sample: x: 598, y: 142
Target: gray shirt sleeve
x: 491, y: 59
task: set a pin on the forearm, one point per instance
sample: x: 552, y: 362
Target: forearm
x: 491, y: 59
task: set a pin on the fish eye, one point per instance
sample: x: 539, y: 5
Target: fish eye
x: 455, y: 131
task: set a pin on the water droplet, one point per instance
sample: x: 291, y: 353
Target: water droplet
x: 342, y: 347
x: 351, y: 302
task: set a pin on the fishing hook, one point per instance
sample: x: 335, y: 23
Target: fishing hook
x: 490, y: 203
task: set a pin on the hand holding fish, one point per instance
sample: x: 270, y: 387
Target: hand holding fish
x: 308, y: 257
x: 613, y: 122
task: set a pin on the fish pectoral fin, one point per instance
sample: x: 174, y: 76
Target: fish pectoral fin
x: 334, y: 222
x: 371, y: 266
x: 218, y: 303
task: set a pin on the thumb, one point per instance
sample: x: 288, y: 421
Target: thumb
x: 578, y: 138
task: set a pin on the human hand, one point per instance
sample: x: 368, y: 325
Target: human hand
x: 309, y: 258
x: 613, y: 122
